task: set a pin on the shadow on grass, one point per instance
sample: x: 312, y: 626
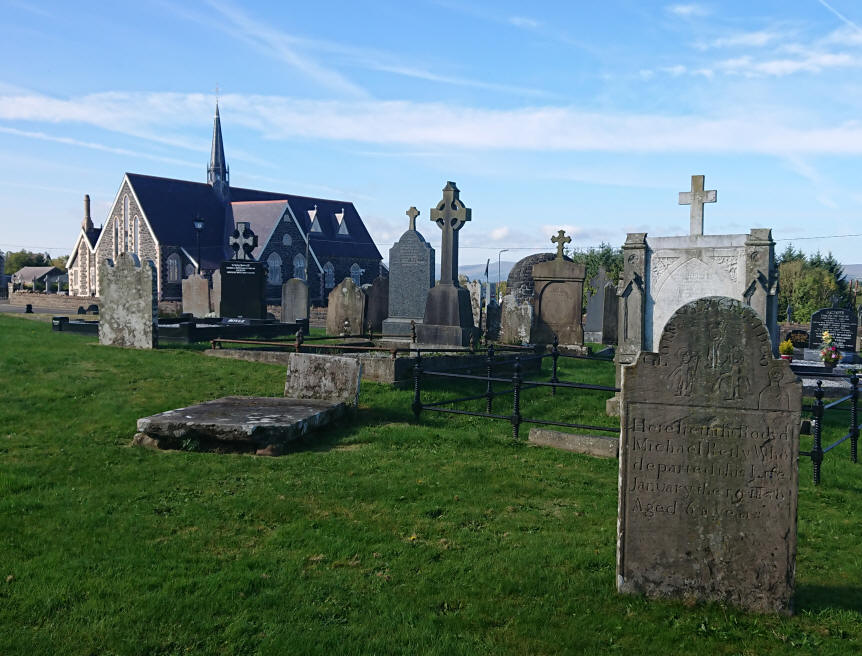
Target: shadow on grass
x: 824, y: 597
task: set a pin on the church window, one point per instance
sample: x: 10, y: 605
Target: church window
x: 273, y: 262
x: 173, y: 268
x: 328, y: 275
x: 299, y: 267
x: 125, y: 223
x: 356, y: 273
x: 286, y: 240
x: 137, y: 234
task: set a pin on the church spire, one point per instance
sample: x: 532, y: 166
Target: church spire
x: 218, y: 173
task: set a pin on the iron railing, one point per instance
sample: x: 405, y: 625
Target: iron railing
x: 818, y: 452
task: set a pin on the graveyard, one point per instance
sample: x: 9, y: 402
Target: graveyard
x: 382, y: 534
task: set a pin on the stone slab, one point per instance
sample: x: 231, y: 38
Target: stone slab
x: 324, y: 377
x: 591, y: 445
x: 260, y: 424
x: 708, y: 463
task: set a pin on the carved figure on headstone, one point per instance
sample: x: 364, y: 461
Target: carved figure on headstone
x: 682, y: 378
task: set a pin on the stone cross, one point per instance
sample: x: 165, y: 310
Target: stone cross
x: 560, y: 240
x: 412, y: 213
x: 451, y: 215
x: 696, y: 198
x: 243, y: 241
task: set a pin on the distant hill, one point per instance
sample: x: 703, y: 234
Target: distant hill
x: 853, y: 271
x: 477, y: 271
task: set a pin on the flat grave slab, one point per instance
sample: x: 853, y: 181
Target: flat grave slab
x: 262, y: 425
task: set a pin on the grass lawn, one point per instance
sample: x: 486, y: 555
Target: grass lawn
x: 383, y: 536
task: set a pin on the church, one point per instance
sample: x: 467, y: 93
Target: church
x: 182, y: 226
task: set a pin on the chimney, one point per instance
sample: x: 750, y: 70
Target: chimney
x: 87, y: 224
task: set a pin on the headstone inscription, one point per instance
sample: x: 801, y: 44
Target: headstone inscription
x: 243, y: 280
x: 129, y: 312
x: 559, y: 288
x: 346, y: 304
x: 294, y: 301
x: 448, y: 319
x: 841, y: 324
x: 708, y: 463
x: 411, y: 275
x: 376, y: 303
x: 196, y: 296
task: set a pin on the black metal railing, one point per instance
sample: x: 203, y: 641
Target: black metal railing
x: 818, y: 452
x: 515, y: 385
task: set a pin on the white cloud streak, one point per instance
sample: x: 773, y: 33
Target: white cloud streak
x: 840, y: 16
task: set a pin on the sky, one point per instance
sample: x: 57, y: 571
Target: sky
x: 585, y: 116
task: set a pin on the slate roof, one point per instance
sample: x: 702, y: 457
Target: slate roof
x: 263, y: 215
x: 171, y: 205
x: 28, y: 273
x: 92, y: 236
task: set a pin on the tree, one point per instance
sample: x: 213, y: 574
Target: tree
x: 60, y: 262
x: 604, y: 256
x: 20, y: 259
x: 809, y: 284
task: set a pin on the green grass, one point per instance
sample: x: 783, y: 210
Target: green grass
x: 379, y: 536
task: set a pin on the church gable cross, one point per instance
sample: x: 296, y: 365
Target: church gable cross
x: 560, y: 240
x: 412, y: 213
x: 696, y: 198
x: 450, y: 215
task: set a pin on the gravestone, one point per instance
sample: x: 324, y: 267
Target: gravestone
x: 323, y: 377
x: 346, y: 303
x: 128, y: 315
x: 476, y: 303
x: 601, y: 323
x: 376, y: 303
x: 492, y: 319
x: 841, y: 324
x: 558, y: 297
x: 520, y: 280
x: 294, y: 301
x: 448, y: 319
x: 411, y: 275
x: 516, y: 321
x: 798, y: 337
x: 243, y: 289
x: 196, y: 296
x: 708, y: 463
x: 215, y: 292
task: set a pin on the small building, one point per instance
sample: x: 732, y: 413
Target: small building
x: 30, y: 277
x: 318, y: 240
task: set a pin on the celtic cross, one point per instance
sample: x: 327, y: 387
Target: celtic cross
x: 560, y: 240
x: 243, y: 241
x: 412, y: 213
x: 451, y: 215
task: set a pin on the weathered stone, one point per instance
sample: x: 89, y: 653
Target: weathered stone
x: 129, y: 311
x: 346, y: 303
x: 841, y: 324
x: 411, y: 275
x: 591, y: 445
x: 377, y: 303
x: 324, y: 377
x: 558, y: 298
x: 196, y: 296
x: 520, y: 280
x: 243, y: 289
x: 595, y: 307
x: 516, y: 321
x: 294, y: 301
x: 215, y: 293
x: 708, y: 463
x: 476, y: 305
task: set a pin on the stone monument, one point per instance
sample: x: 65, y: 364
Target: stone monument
x: 376, y: 303
x: 294, y: 301
x: 242, y: 288
x: 196, y: 296
x: 841, y: 324
x: 708, y: 463
x: 558, y: 298
x: 411, y: 275
x: 128, y: 313
x: 346, y: 304
x: 661, y: 274
x: 448, y: 319
x: 601, y: 322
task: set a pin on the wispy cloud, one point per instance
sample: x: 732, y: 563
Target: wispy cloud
x: 756, y: 39
x: 687, y: 10
x: 523, y: 22
x: 840, y: 16
x: 807, y: 62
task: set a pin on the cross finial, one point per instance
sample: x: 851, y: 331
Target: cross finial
x: 696, y: 198
x: 560, y: 240
x: 412, y: 213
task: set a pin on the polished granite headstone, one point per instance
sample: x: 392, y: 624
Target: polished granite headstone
x: 411, y: 275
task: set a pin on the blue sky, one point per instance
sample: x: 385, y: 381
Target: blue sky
x: 590, y: 116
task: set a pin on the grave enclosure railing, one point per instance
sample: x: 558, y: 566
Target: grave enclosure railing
x: 818, y: 452
x: 518, y: 384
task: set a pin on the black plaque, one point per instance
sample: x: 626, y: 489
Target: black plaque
x: 798, y: 337
x: 243, y: 289
x: 841, y: 324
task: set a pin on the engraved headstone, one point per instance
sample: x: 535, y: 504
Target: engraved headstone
x: 346, y: 304
x: 708, y: 463
x: 516, y: 321
x: 841, y: 324
x: 243, y: 289
x: 294, y: 301
x: 376, y: 303
x: 559, y: 288
x: 411, y: 275
x: 196, y: 296
x: 128, y: 315
x: 448, y: 319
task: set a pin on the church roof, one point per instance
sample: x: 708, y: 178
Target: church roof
x: 92, y: 235
x: 29, y: 273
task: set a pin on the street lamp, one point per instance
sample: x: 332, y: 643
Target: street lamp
x: 198, y: 223
x: 499, y: 297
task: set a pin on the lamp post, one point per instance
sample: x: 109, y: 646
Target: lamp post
x: 499, y: 298
x: 198, y: 223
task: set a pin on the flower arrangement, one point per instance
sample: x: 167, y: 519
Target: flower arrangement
x: 829, y: 353
x: 785, y: 347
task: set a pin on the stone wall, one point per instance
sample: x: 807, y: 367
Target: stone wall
x: 60, y: 302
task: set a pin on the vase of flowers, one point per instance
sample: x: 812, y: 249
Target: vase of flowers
x: 829, y: 353
x: 785, y: 350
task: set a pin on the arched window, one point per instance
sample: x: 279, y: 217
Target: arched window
x: 173, y: 268
x: 299, y: 267
x: 274, y: 264
x: 190, y: 270
x: 137, y: 234
x: 125, y: 223
x: 286, y: 240
x: 356, y: 273
x: 328, y: 275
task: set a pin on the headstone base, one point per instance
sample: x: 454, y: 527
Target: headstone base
x: 448, y: 318
x: 398, y: 326
x: 435, y: 335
